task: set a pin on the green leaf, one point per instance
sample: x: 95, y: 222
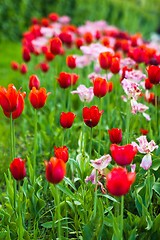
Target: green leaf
x: 107, y: 196
x: 156, y: 164
x: 133, y: 234
x: 47, y: 224
x: 156, y: 187
x: 66, y: 191
x: 30, y: 168
x: 68, y: 181
x: 92, y: 231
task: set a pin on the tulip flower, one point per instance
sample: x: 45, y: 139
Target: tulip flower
x: 38, y: 97
x: 9, y: 98
x: 49, y: 56
x: 53, y: 17
x: 55, y: 170
x: 66, y: 119
x: 74, y: 78
x: 119, y: 181
x: 79, y: 42
x: 55, y: 45
x: 110, y: 86
x: 34, y: 82
x: 14, y: 65
x: 105, y: 60
x: 64, y: 80
x: 17, y: 168
x: 154, y: 74
x: 91, y: 116
x: 62, y: 153
x: 115, y: 135
x: 88, y: 37
x: 115, y: 65
x: 26, y: 54
x: 143, y: 131
x: 145, y: 147
x: 23, y: 68
x: 71, y: 61
x: 44, y: 67
x: 85, y: 94
x: 123, y: 155
x: 44, y: 22
x: 100, y: 87
x: 148, y: 84
x: 20, y: 107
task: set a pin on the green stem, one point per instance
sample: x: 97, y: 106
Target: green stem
x: 100, y: 124
x: 127, y: 120
x: 20, y: 215
x: 108, y: 100
x: 122, y: 206
x: 64, y: 100
x: 156, y: 110
x: 35, y: 145
x: 63, y: 136
x: 90, y: 151
x: 13, y: 155
x: 58, y: 212
x: 95, y: 195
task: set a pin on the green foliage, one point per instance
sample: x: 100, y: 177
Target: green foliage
x: 140, y: 16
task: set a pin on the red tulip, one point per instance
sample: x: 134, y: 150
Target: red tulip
x: 148, y: 84
x: 123, y: 155
x: 154, y: 74
x: 71, y: 61
x: 115, y: 135
x: 9, y: 98
x: 105, y: 60
x: 88, y: 37
x: 17, y: 168
x: 55, y: 45
x: 44, y: 67
x: 110, y: 86
x: 26, y: 54
x: 66, y: 119
x: 53, y: 17
x: 119, y: 181
x: 79, y: 42
x: 34, y: 20
x: 55, y: 170
x: 64, y: 80
x: 143, y: 131
x: 115, y: 65
x: 49, y: 56
x: 23, y: 68
x: 66, y: 38
x: 91, y: 116
x: 62, y: 153
x: 34, y: 82
x: 45, y: 22
x: 14, y: 65
x: 98, y: 34
x: 20, y: 107
x: 100, y: 87
x: 38, y: 97
x: 74, y: 78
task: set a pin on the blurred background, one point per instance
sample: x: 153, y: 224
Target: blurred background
x: 130, y: 15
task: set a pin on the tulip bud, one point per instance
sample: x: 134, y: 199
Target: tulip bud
x: 34, y: 82
x: 115, y: 65
x: 23, y: 68
x: 105, y: 60
x: 154, y: 74
x: 55, y: 170
x: 115, y: 135
x: 110, y: 86
x: 17, y: 168
x: 26, y: 54
x: 44, y: 67
x: 62, y: 153
x: 66, y: 119
x: 100, y: 87
x: 88, y: 37
x: 123, y: 155
x: 55, y: 45
x: 119, y: 181
x: 71, y: 61
x: 14, y: 65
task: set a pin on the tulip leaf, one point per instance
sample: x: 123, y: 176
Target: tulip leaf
x: 68, y: 181
x: 93, y: 229
x: 109, y: 197
x: 47, y: 224
x: 156, y: 187
x: 156, y: 164
x: 67, y: 191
